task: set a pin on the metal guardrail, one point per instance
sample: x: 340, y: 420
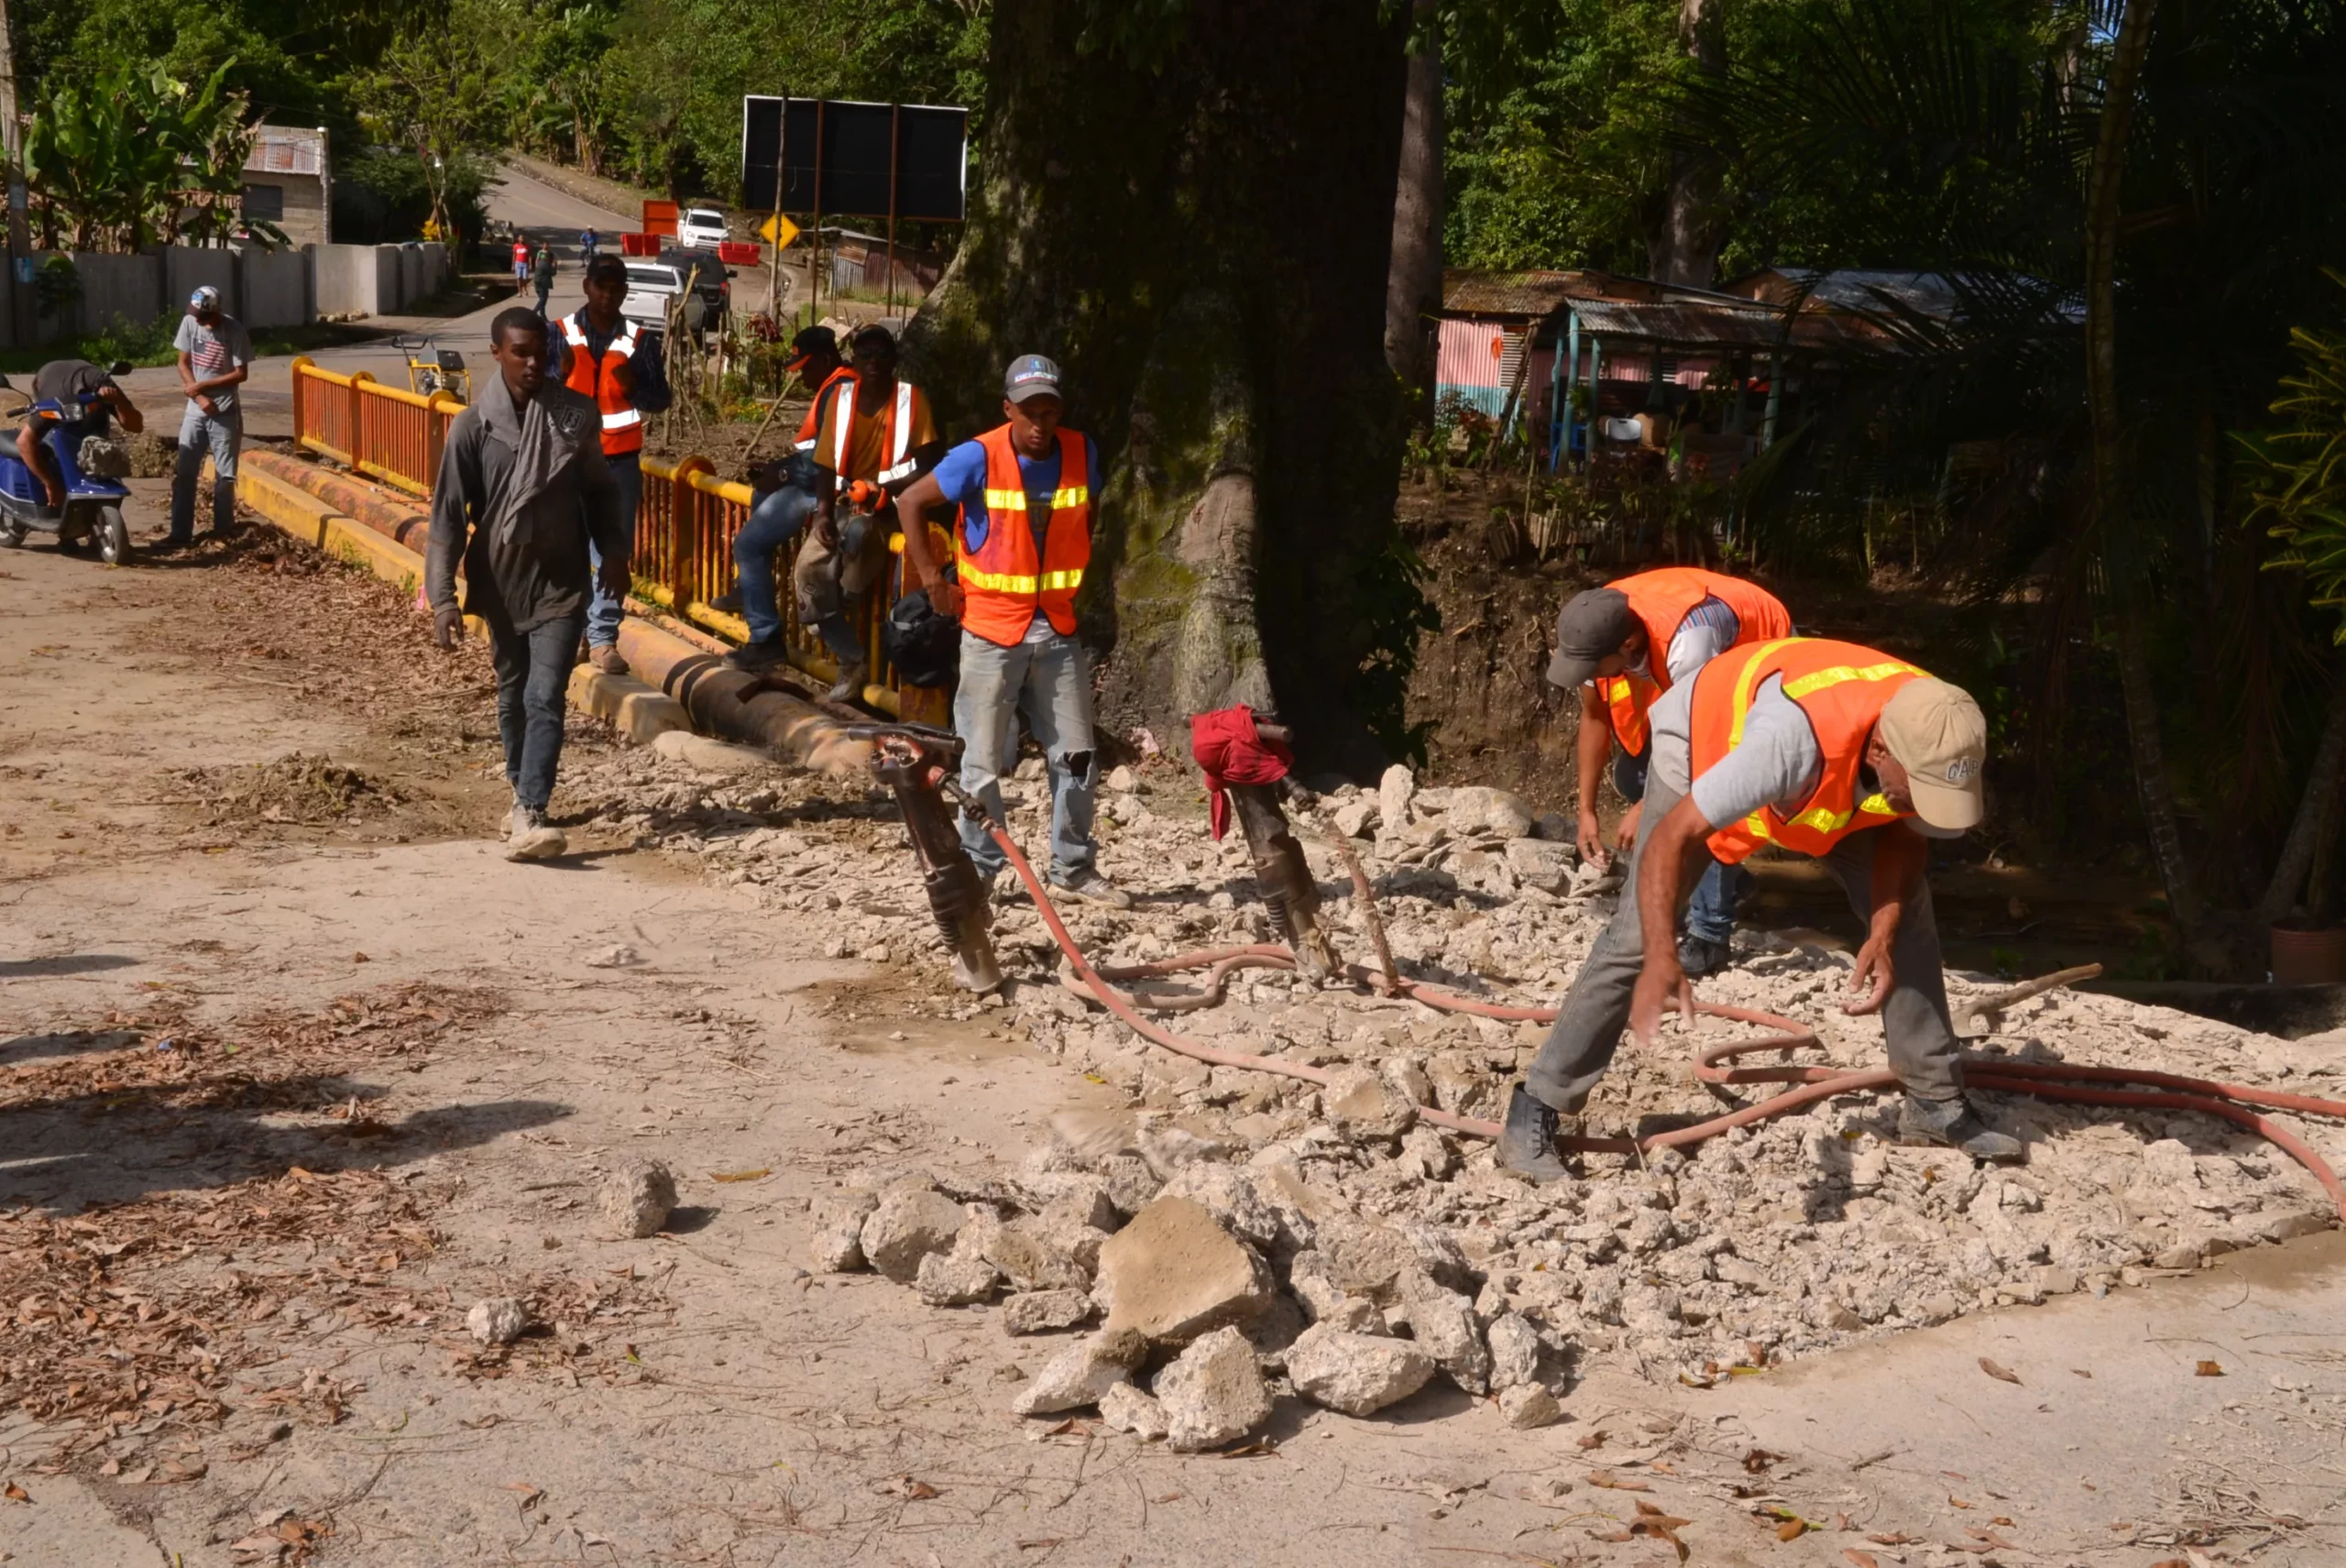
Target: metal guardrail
x: 685, y: 526
x: 386, y: 432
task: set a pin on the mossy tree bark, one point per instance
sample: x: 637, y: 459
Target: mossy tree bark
x: 1193, y: 218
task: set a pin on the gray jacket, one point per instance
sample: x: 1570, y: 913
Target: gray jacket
x: 521, y: 491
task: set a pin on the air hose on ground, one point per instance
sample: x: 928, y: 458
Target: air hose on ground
x: 2060, y: 1081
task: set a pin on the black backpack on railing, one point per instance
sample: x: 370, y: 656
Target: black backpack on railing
x: 924, y: 646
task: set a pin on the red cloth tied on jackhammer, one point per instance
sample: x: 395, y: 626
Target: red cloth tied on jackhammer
x: 1229, y: 751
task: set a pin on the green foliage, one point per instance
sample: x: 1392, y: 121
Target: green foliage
x: 140, y: 343
x: 2294, y: 474
x: 440, y: 91
x: 122, y: 157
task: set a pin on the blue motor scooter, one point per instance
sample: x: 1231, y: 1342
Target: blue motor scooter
x: 93, y: 509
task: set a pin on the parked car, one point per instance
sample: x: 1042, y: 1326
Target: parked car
x: 700, y: 228
x: 652, y: 287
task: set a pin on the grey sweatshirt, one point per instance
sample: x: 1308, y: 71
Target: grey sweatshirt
x: 520, y: 491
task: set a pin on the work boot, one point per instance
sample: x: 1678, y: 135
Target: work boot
x: 728, y: 602
x: 849, y: 687
x: 529, y: 837
x: 606, y: 657
x: 1089, y: 886
x: 1527, y: 1140
x: 1956, y: 1124
x: 1699, y: 956
x: 760, y: 655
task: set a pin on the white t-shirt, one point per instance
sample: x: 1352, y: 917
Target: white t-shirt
x: 1709, y: 630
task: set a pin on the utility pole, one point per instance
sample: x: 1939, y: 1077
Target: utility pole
x: 12, y: 150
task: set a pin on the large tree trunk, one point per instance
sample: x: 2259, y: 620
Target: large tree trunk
x: 1693, y: 227
x: 2121, y: 557
x: 1195, y: 222
x: 1413, y: 286
x: 2315, y: 810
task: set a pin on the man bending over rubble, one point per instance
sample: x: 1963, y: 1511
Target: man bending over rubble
x: 1824, y: 749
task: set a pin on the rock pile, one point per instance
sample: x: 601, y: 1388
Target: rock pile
x: 1361, y: 1255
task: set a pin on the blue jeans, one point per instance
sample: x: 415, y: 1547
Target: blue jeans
x: 533, y: 687
x: 603, y: 612
x: 1046, y: 678
x: 773, y: 523
x: 1710, y: 912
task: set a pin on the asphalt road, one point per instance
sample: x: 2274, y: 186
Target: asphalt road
x: 538, y: 210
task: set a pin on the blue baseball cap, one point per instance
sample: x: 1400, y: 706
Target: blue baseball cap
x: 1030, y: 376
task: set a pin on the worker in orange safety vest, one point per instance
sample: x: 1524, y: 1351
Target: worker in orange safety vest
x: 1623, y: 645
x: 600, y: 354
x: 1823, y: 748
x: 1022, y: 541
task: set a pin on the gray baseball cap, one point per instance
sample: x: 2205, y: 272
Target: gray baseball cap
x: 1591, y: 625
x: 1030, y: 376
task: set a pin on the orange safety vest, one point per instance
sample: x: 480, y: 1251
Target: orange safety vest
x: 812, y: 424
x: 1660, y: 599
x: 1002, y: 582
x: 898, y: 429
x: 598, y: 379
x: 1842, y: 688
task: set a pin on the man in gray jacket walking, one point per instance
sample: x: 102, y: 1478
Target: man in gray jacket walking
x: 522, y: 488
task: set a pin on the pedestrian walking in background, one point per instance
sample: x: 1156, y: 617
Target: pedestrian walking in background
x: 520, y: 263
x: 601, y: 355
x: 545, y: 272
x: 214, y: 351
x: 523, y: 492
x: 587, y: 246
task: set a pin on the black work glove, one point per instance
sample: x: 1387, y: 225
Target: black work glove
x: 448, y: 628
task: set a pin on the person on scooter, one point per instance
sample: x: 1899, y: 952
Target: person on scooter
x: 86, y: 394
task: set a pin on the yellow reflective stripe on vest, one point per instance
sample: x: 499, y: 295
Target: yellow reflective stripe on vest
x: 1004, y: 583
x: 1745, y: 680
x: 1005, y: 500
x: 1817, y: 680
x: 1074, y: 496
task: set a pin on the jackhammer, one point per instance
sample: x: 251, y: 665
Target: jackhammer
x: 917, y: 762
x: 1289, y: 890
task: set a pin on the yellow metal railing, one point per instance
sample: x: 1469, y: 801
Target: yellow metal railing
x: 386, y: 432
x: 685, y: 526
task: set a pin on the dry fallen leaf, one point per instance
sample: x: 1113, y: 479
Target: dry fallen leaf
x: 1612, y: 1482
x: 918, y: 1491
x: 2080, y: 1371
x: 16, y: 1494
x: 2000, y: 1374
x: 1594, y: 1439
x: 1792, y: 1529
x: 1954, y: 1501
x: 1651, y: 1521
x: 2210, y: 1369
x: 1894, y: 1538
x: 1861, y: 1559
x: 1758, y: 1461
x: 740, y: 1174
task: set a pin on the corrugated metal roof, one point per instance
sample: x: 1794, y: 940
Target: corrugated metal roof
x: 1704, y: 324
x: 1471, y: 292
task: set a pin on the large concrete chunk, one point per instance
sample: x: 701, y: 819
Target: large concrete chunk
x: 1357, y: 1373
x: 1515, y: 1352
x: 1538, y: 863
x: 1081, y: 1373
x: 837, y: 1244
x: 1125, y: 1408
x: 1229, y: 1195
x: 1359, y: 1103
x: 1443, y: 1324
x: 958, y: 1276
x: 908, y: 1224
x: 1043, y: 1311
x: 1030, y: 1258
x: 1212, y: 1393
x: 1173, y: 1273
x: 636, y: 1200
x: 1528, y: 1405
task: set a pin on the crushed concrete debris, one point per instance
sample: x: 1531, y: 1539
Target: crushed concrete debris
x: 497, y: 1319
x: 1298, y: 1210
x: 637, y: 1199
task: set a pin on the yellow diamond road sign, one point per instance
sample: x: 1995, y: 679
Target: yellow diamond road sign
x: 779, y: 231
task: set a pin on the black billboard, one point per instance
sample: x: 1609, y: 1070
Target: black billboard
x: 808, y: 155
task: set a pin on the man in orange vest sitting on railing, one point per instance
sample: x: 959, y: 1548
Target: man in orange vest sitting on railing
x: 1025, y: 491
x: 1625, y: 644
x: 597, y: 351
x: 1824, y: 749
x: 873, y: 435
x: 787, y: 491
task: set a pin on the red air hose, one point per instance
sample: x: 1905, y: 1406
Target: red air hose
x: 2046, y: 1081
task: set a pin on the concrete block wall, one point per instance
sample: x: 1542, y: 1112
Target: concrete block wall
x: 276, y: 288
x: 262, y: 289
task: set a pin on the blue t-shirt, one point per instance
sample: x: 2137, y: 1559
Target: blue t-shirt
x: 961, y: 474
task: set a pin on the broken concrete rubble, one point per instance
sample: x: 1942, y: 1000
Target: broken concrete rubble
x: 637, y: 1199
x: 1173, y: 1274
x: 1212, y: 1393
x: 1080, y: 1373
x: 1357, y: 1373
x: 907, y: 1225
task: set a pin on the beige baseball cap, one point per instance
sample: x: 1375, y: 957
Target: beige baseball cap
x: 1940, y: 738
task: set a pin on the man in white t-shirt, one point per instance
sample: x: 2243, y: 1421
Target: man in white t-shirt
x: 215, y: 354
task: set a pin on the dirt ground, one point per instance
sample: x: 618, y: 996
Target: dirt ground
x: 294, y: 1068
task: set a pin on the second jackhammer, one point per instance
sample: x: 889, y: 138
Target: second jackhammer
x: 1290, y: 892
x: 914, y: 762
